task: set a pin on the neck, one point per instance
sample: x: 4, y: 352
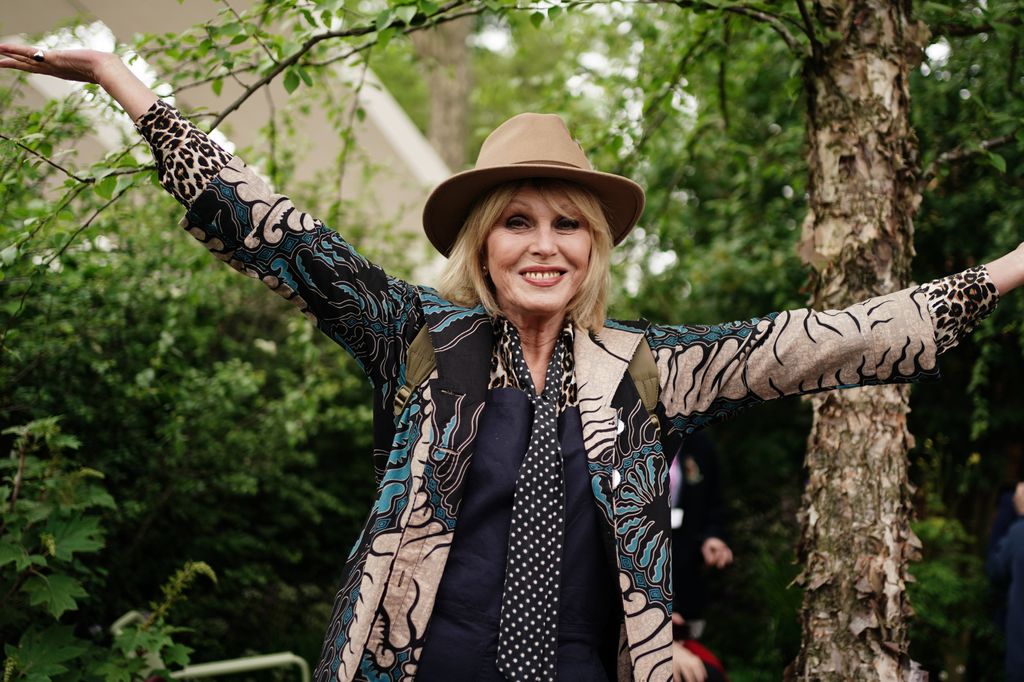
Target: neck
x: 538, y: 338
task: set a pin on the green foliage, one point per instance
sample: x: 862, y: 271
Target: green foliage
x: 51, y: 520
x: 948, y: 589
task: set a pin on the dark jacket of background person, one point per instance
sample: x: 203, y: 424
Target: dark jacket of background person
x: 704, y: 516
x: 1006, y: 568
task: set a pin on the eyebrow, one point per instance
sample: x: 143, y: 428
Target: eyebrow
x: 563, y: 211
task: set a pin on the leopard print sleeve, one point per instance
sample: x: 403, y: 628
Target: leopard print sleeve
x: 186, y: 158
x: 958, y: 303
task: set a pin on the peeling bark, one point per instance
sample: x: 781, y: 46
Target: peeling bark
x: 862, y: 157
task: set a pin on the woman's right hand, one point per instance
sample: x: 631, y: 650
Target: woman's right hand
x: 686, y: 665
x: 88, y: 66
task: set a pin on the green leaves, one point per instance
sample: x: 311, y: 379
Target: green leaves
x: 996, y: 161
x: 291, y: 80
x: 43, y: 653
x: 56, y: 593
x: 80, y: 534
x: 295, y: 75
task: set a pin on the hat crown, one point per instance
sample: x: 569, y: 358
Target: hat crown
x: 532, y: 139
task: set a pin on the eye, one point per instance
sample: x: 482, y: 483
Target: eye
x: 567, y: 224
x: 516, y: 222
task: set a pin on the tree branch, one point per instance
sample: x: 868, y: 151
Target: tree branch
x: 56, y: 165
x: 967, y: 30
x: 652, y: 116
x: 312, y: 41
x: 255, y: 37
x: 809, y: 30
x: 960, y: 153
x: 775, y: 21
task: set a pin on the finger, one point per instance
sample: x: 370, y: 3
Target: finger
x: 694, y: 671
x: 19, y: 58
x: 9, y: 63
x: 22, y: 53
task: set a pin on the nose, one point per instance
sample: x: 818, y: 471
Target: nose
x: 544, y: 239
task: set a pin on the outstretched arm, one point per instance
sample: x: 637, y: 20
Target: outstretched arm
x: 708, y: 372
x: 245, y: 223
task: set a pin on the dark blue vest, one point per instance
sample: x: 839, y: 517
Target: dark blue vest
x: 462, y: 638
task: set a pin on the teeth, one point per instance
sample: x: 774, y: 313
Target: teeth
x: 550, y: 274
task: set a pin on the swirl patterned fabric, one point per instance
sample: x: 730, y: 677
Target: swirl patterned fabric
x: 706, y: 373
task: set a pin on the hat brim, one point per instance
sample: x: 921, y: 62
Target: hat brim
x: 449, y: 204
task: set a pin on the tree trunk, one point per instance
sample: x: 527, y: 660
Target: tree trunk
x: 445, y: 56
x: 862, y: 158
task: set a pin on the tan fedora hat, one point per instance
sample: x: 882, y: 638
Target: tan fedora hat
x: 528, y: 146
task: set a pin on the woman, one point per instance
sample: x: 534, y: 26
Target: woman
x: 530, y: 430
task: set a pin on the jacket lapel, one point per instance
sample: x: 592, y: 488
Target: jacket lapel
x: 601, y: 364
x: 629, y: 478
x: 462, y: 339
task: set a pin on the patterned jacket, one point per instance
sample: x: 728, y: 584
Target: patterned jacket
x: 421, y: 457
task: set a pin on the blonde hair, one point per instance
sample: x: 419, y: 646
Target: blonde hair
x: 465, y: 282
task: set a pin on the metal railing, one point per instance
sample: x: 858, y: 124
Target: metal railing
x: 232, y: 666
x: 243, y: 665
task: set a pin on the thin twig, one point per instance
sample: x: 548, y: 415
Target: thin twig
x: 405, y: 31
x: 309, y: 44
x: 254, y: 36
x: 56, y: 165
x: 960, y: 153
x: 18, y: 476
x: 1011, y: 72
x: 85, y: 225
x: 217, y: 76
x: 723, y: 100
x: 67, y: 199
x: 653, y: 116
x: 46, y: 263
x: 966, y: 30
x: 343, y: 157
x: 775, y: 21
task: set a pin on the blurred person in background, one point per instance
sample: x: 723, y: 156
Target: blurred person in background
x: 1006, y: 569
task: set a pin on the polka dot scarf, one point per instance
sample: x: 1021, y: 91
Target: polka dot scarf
x: 528, y: 636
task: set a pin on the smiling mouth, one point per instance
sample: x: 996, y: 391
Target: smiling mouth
x: 542, y: 276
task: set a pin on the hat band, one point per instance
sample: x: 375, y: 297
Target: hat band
x: 547, y: 162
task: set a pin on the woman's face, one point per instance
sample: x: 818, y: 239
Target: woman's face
x: 537, y: 257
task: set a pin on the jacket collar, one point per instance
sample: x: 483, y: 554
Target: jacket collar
x: 462, y: 338
x: 602, y: 361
